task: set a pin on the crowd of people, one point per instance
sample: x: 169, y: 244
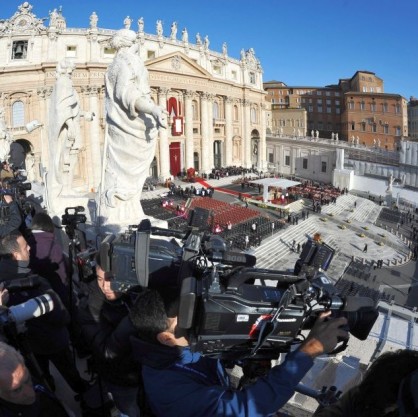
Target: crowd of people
x: 135, y: 348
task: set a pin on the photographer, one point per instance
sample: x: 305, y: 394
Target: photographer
x: 107, y: 333
x: 10, y: 215
x: 47, y: 336
x: 18, y: 395
x: 176, y: 380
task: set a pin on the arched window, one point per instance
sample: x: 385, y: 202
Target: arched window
x: 215, y: 110
x: 236, y: 114
x: 195, y: 110
x: 253, y: 115
x: 18, y: 114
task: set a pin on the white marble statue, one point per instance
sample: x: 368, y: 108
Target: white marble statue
x: 312, y: 133
x: 6, y: 138
x: 93, y: 20
x: 173, y: 34
x: 198, y: 39
x: 224, y: 49
x: 336, y: 136
x: 141, y: 25
x: 30, y: 166
x: 206, y: 42
x: 184, y: 36
x: 159, y: 28
x: 317, y: 134
x: 64, y: 136
x: 133, y: 120
x: 332, y: 136
x: 378, y: 143
x: 127, y: 22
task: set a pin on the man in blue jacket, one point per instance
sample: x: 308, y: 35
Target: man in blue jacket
x: 178, y: 381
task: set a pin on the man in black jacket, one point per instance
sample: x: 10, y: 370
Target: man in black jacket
x: 47, y: 336
x: 106, y: 329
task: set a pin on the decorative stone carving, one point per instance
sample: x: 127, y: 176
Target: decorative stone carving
x: 141, y: 25
x: 159, y: 28
x: 64, y: 136
x: 6, y: 138
x: 127, y: 22
x: 173, y: 34
x: 93, y: 20
x: 133, y: 120
x: 185, y: 36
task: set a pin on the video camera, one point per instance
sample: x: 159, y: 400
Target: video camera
x: 229, y: 308
x: 72, y: 216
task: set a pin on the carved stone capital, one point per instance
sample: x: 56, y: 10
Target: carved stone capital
x: 163, y: 91
x: 189, y: 94
x: 245, y: 102
x: 204, y: 96
x: 229, y: 100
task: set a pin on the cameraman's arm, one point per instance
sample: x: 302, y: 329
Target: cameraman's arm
x: 15, y: 219
x: 271, y: 393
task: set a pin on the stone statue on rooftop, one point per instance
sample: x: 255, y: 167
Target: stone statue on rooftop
x: 133, y: 120
x: 198, y: 39
x: 224, y: 49
x: 173, y: 34
x: 141, y: 25
x: 185, y: 36
x: 159, y: 28
x: 127, y: 22
x: 93, y: 20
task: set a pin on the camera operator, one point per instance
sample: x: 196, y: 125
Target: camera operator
x: 18, y: 395
x: 106, y: 330
x: 10, y: 215
x: 385, y: 390
x: 47, y: 336
x: 178, y: 381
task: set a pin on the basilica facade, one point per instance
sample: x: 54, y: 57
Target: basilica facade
x: 215, y: 103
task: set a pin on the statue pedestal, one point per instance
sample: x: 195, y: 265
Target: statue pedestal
x: 343, y: 178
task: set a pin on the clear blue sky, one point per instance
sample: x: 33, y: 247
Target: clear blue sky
x: 303, y: 42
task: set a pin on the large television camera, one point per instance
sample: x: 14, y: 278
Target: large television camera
x: 229, y: 308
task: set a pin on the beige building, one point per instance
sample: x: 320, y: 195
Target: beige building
x: 216, y: 103
x: 356, y: 108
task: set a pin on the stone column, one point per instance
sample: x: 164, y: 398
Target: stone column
x: 247, y: 134
x: 209, y: 156
x: 43, y: 146
x: 228, y: 131
x: 95, y: 156
x: 262, y: 153
x: 189, y: 129
x: 204, y: 129
x: 163, y: 138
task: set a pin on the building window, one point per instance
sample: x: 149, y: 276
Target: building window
x: 362, y: 105
x: 305, y: 163
x: 252, y: 77
x: 374, y: 128
x: 319, y: 101
x: 236, y: 114
x: 337, y: 102
x: 287, y: 160
x: 150, y: 54
x: 397, y: 109
x: 217, y: 69
x: 328, y: 101
x: 271, y: 157
x: 337, y: 110
x: 337, y: 94
x: 328, y: 109
x: 319, y: 109
x: 253, y: 115
x: 351, y: 105
x: 318, y: 93
x: 71, y: 51
x: 364, y: 89
x: 310, y: 109
x: 327, y: 93
x: 195, y: 110
x: 386, y: 129
x: 19, y: 49
x: 234, y: 75
x: 353, y: 126
x: 363, y: 126
x: 397, y: 131
x: 323, y: 166
x: 18, y: 114
x: 385, y: 107
x: 110, y: 52
x: 215, y: 109
x: 373, y: 106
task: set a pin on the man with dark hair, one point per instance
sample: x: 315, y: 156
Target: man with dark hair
x: 47, y: 336
x: 179, y: 381
x: 106, y: 329
x: 18, y: 395
x: 385, y: 390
